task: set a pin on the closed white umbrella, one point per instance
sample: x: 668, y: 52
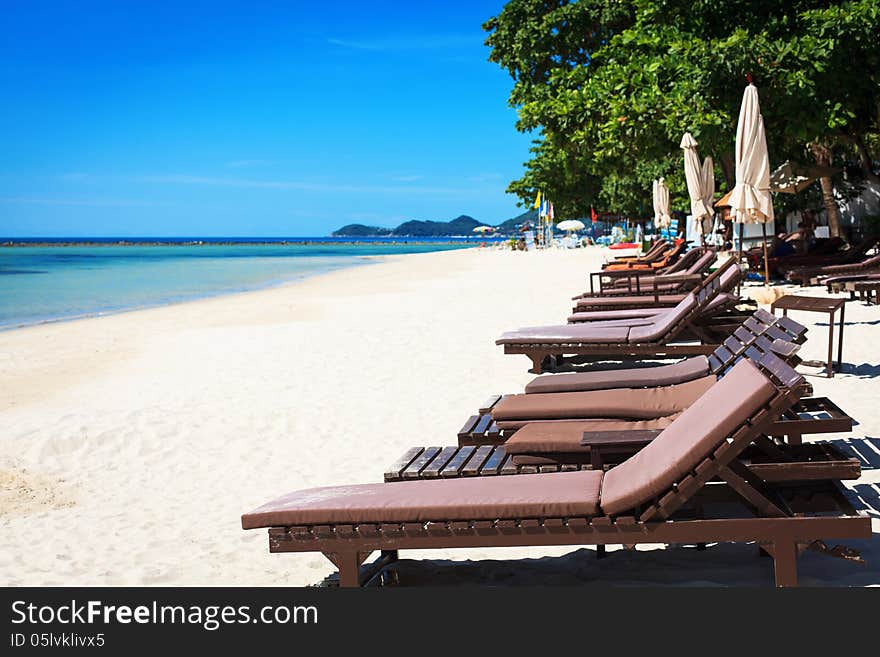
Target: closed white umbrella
x: 708, y: 183
x: 700, y: 182
x: 662, y: 218
x: 654, y: 203
x: 750, y: 200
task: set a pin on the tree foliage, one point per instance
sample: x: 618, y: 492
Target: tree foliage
x: 610, y: 86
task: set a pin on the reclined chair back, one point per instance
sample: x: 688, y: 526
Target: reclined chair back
x: 702, y: 442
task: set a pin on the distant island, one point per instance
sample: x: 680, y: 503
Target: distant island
x: 461, y: 225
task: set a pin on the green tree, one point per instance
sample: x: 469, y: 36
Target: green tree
x: 611, y: 86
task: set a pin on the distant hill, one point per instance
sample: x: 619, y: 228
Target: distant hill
x: 512, y: 225
x: 463, y: 225
x: 360, y: 230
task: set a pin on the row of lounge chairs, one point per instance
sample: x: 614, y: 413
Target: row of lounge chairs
x: 849, y: 271
x: 707, y: 449
x: 850, y: 265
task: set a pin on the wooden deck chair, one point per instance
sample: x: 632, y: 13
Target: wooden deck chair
x: 664, y: 259
x: 500, y: 417
x: 487, y: 447
x: 677, y: 333
x: 666, y: 493
x: 655, y: 297
x: 801, y: 262
x: 685, y: 274
x: 721, y: 303
x: 637, y: 394
x: 815, y: 275
x: 652, y: 254
x: 846, y: 283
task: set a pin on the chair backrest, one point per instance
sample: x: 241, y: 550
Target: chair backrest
x: 703, y: 262
x: 671, y: 255
x: 869, y: 263
x: 658, y: 245
x: 745, y: 342
x: 689, y: 440
x: 666, y: 323
x: 684, y: 263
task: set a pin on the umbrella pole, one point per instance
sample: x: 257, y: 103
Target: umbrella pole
x: 739, y: 255
x: 766, y: 262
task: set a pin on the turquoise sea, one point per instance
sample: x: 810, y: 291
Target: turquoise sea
x: 41, y: 283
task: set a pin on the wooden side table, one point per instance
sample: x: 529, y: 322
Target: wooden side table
x: 817, y: 305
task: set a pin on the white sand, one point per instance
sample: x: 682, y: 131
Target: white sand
x: 131, y: 444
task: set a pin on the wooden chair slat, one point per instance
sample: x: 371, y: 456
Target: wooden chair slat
x: 456, y: 463
x: 433, y: 468
x: 396, y: 469
x: 472, y: 467
x: 494, y: 462
x: 414, y: 468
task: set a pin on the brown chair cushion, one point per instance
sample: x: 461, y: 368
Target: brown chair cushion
x: 719, y: 301
x: 690, y: 438
x: 636, y: 377
x: 588, y: 303
x: 474, y: 498
x: 605, y: 315
x: 566, y: 333
x: 632, y: 321
x: 624, y: 403
x: 661, y: 326
x: 552, y: 458
x: 728, y: 278
x: 565, y: 436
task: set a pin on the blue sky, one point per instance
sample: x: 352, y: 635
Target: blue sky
x: 249, y: 118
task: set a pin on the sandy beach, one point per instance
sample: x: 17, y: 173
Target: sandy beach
x: 132, y: 443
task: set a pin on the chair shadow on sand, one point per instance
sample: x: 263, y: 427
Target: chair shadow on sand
x: 872, y: 322
x: 863, y: 371
x: 719, y: 564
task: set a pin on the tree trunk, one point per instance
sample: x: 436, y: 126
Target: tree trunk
x: 822, y: 154
x: 865, y: 159
x: 728, y: 168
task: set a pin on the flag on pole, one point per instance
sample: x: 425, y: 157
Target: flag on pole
x: 593, y: 216
x: 550, y: 213
x: 537, y: 201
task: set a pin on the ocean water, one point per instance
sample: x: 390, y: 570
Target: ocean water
x: 49, y: 283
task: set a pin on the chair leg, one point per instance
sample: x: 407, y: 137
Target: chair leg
x: 785, y: 562
x: 349, y: 565
x: 537, y: 362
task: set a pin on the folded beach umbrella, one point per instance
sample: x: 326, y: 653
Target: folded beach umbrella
x: 708, y: 191
x: 662, y: 218
x: 750, y: 200
x: 700, y: 183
